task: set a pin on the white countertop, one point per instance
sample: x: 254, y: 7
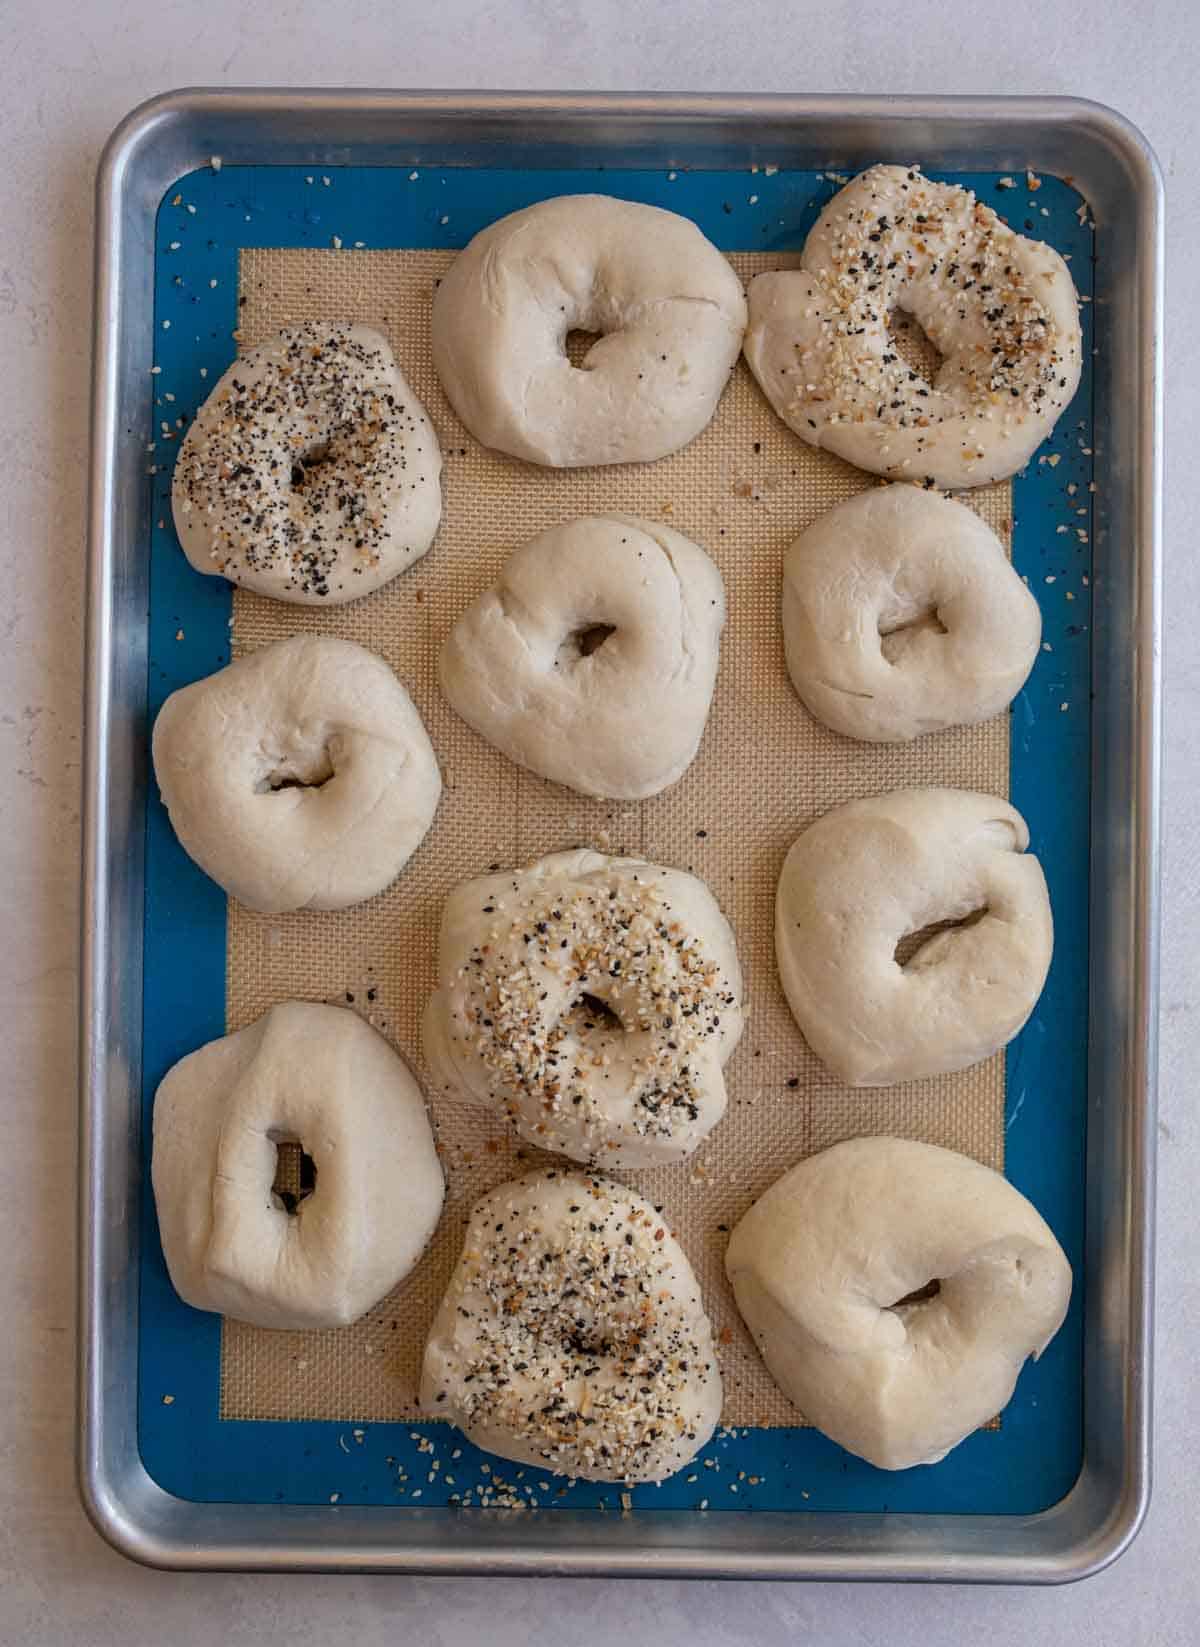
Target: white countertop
x: 67, y: 74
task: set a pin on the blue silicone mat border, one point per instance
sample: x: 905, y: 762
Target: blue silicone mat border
x: 1033, y: 1459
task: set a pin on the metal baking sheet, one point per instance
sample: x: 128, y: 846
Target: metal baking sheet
x: 123, y: 1464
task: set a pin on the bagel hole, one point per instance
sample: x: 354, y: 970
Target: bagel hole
x: 592, y: 638
x: 576, y: 345
x: 304, y: 465
x: 896, y: 638
x: 922, y: 1295
x: 587, y: 1343
x: 301, y: 774
x: 912, y: 943
x: 582, y: 642
x: 591, y: 1013
x: 295, y: 1174
x: 913, y: 344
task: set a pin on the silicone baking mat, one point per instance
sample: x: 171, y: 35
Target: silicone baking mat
x: 331, y: 1416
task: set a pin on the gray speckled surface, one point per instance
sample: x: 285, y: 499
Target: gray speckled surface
x: 68, y: 73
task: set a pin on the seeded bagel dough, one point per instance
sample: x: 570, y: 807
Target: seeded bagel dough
x: 591, y: 1000
x: 1001, y: 310
x: 573, y: 1335
x: 311, y: 473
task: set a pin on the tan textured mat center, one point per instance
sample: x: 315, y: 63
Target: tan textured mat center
x: 764, y: 771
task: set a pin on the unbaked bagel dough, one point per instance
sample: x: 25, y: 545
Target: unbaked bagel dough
x: 321, y: 1077
x: 1001, y: 310
x: 669, y: 308
x: 902, y: 615
x: 592, y: 1000
x: 573, y: 1336
x: 593, y: 660
x: 824, y: 1266
x: 299, y: 777
x: 311, y: 472
x: 873, y: 872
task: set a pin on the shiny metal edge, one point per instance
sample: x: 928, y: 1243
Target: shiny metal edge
x: 1115, y: 168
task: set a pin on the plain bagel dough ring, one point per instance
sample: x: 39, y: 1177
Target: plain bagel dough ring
x: 311, y: 472
x: 823, y: 1266
x: 669, y: 306
x: 321, y: 1077
x: 573, y: 1336
x: 533, y: 966
x: 298, y: 777
x: 902, y: 615
x: 872, y: 872
x: 1002, y: 311
x: 623, y: 718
